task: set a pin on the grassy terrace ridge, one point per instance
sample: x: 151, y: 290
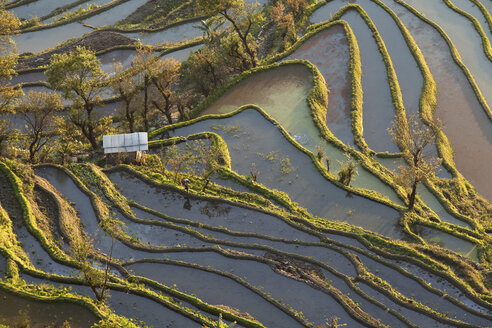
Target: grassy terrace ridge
x: 427, y: 104
x: 369, y: 239
x: 163, y: 231
x: 77, y: 16
x: 84, y: 15
x: 118, y: 284
x: 318, y: 112
x: 405, y: 303
x: 285, y: 202
x: 455, y: 54
x: 151, y: 181
x: 484, y: 11
x: 476, y: 24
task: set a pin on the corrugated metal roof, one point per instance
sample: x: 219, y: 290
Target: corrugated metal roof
x: 125, y: 143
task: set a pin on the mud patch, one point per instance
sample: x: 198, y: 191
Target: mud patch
x: 96, y: 41
x: 295, y: 269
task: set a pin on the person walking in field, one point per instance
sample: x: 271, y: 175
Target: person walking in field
x: 185, y: 182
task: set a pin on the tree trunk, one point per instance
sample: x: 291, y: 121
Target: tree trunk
x: 129, y: 116
x: 146, y: 103
x: 206, y: 185
x: 411, y: 198
x: 243, y: 37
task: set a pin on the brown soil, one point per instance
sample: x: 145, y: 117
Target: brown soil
x: 295, y: 269
x: 47, y: 205
x: 186, y: 12
x: 159, y: 8
x: 96, y: 41
x: 142, y: 12
x: 9, y: 201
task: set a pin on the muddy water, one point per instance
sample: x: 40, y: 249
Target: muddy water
x: 115, y: 14
x: 406, y: 68
x: 329, y: 51
x: 300, y: 179
x: 378, y: 109
x: 413, y: 290
x: 16, y: 309
x: 282, y: 92
x: 470, y: 8
x: 464, y: 37
x: 174, y: 34
x: 464, y: 121
x: 437, y: 237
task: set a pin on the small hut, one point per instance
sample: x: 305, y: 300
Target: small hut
x: 125, y: 148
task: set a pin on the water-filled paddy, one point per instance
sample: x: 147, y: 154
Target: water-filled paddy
x: 115, y: 14
x: 434, y: 236
x: 464, y: 120
x: 17, y: 310
x: 282, y: 92
x: 38, y: 8
x: 329, y: 51
x: 414, y: 290
x: 307, y: 186
x: 38, y: 41
x: 465, y: 38
x: 215, y: 289
x: 378, y: 109
x: 173, y: 34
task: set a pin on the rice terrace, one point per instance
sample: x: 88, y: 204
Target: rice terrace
x: 245, y: 163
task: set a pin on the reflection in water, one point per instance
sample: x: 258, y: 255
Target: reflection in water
x: 187, y: 204
x: 16, y: 311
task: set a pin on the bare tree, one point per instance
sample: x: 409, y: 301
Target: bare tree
x: 38, y: 110
x: 124, y: 87
x: 414, y: 138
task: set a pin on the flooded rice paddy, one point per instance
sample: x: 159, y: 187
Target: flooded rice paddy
x: 177, y: 259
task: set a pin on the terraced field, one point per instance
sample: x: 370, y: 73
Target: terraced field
x: 270, y: 237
